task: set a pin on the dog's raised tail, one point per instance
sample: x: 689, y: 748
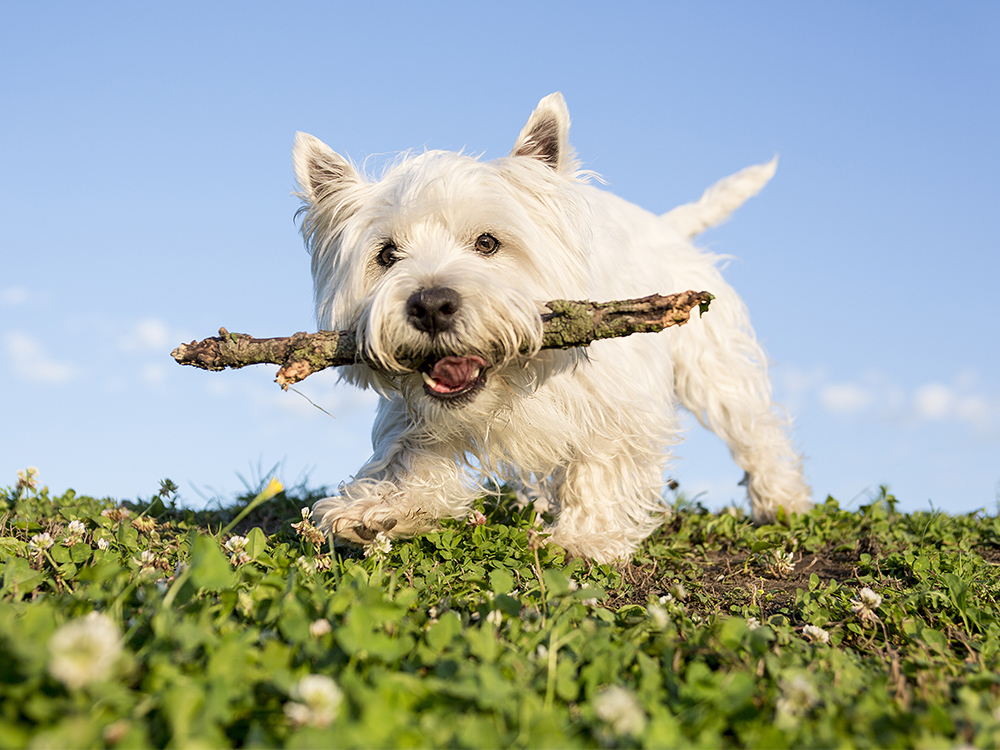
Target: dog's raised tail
x: 721, y: 199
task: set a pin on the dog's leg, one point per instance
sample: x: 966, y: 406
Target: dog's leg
x: 607, y: 509
x: 407, y: 485
x: 720, y: 374
x: 609, y: 498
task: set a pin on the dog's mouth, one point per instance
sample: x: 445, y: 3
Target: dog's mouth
x: 450, y: 378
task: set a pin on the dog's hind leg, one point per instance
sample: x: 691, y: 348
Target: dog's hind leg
x: 720, y: 375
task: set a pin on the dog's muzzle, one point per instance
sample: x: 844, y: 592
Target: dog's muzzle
x: 448, y: 377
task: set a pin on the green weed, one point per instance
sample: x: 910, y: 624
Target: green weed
x: 152, y: 625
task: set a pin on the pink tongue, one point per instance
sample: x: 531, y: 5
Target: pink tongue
x: 456, y: 373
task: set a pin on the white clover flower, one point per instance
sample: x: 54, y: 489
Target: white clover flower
x: 659, y: 616
x: 476, y: 518
x: 870, y: 598
x: 494, y: 618
x: 145, y: 524
x: 40, y: 542
x: 84, y: 650
x: 27, y: 479
x: 74, y: 533
x: 753, y: 623
x: 103, y: 543
x: 620, y: 708
x: 236, y: 547
x: 815, y: 634
x: 116, y: 514
x: 866, y: 604
x: 380, y: 545
x: 306, y: 565
x: 317, y: 699
x: 235, y: 543
x: 783, y: 563
x: 320, y: 627
x: 147, y: 559
x: 797, y: 696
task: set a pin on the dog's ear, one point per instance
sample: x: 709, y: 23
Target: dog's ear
x: 546, y: 136
x: 320, y: 171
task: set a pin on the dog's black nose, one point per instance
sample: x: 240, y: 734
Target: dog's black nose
x: 433, y: 310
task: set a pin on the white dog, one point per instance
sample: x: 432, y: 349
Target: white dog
x: 441, y: 268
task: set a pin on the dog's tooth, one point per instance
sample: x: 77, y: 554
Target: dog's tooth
x: 431, y: 382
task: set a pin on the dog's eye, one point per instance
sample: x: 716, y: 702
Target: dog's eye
x: 487, y: 244
x: 388, y: 255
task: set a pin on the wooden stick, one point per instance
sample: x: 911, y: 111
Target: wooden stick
x: 567, y: 324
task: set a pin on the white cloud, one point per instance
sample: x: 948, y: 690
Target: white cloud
x: 147, y: 335
x: 32, y: 362
x: 964, y: 401
x: 937, y: 402
x: 12, y: 296
x: 844, y: 398
x: 934, y: 401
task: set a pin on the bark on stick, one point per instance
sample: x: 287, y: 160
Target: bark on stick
x: 567, y: 324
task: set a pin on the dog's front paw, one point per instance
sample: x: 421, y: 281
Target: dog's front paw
x: 360, y: 522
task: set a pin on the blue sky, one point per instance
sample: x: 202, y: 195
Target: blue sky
x: 145, y: 200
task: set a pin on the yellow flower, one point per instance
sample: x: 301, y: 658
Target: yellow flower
x: 272, y: 489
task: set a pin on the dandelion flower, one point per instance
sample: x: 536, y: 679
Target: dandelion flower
x: 620, y: 708
x: 273, y: 488
x: 815, y: 634
x: 317, y: 699
x: 84, y: 650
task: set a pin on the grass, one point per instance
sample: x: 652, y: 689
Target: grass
x: 152, y: 625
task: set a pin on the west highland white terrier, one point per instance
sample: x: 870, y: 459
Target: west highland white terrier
x: 441, y: 268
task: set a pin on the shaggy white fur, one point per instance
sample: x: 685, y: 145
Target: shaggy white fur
x: 440, y: 267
